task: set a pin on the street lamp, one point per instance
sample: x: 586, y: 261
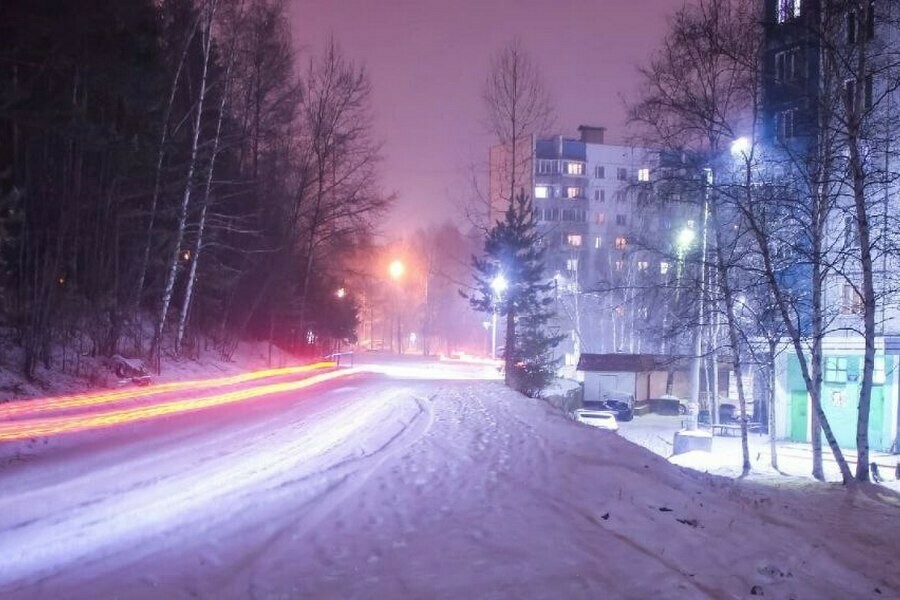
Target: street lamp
x: 741, y: 146
x: 499, y: 284
x: 340, y: 293
x: 685, y: 238
x: 396, y: 269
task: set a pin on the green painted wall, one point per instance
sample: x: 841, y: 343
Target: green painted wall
x: 840, y: 401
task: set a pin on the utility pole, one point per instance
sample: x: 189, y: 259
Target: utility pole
x: 697, y: 358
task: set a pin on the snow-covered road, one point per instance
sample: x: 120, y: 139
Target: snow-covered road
x: 420, y: 484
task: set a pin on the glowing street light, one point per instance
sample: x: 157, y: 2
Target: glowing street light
x: 741, y: 146
x: 340, y: 293
x: 685, y: 238
x: 396, y: 269
x: 499, y: 284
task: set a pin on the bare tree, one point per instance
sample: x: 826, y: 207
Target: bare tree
x: 699, y: 92
x: 518, y: 107
x: 858, y: 41
x: 343, y: 196
x: 164, y: 133
x: 208, y: 16
x: 224, y: 91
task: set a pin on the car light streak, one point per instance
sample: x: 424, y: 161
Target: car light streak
x: 27, y: 408
x: 46, y: 426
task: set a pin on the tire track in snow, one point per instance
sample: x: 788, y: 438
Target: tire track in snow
x: 343, y: 480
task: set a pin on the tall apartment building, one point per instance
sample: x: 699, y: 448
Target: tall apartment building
x: 793, y: 101
x: 596, y: 208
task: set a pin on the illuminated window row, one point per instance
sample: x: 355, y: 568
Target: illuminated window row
x: 542, y: 192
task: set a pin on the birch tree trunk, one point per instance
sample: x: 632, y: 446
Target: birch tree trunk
x: 773, y: 447
x: 157, y: 176
x: 733, y: 335
x: 172, y: 270
x: 810, y: 370
x: 859, y: 177
x: 204, y: 207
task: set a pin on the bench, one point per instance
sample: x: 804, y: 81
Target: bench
x: 723, y: 429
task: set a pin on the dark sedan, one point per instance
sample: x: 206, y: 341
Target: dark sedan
x: 622, y: 410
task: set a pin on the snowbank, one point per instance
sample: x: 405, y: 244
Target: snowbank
x: 92, y: 373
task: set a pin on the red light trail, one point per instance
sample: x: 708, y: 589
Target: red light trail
x: 43, y: 405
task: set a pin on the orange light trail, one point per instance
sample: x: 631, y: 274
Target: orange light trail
x: 47, y: 426
x: 42, y: 405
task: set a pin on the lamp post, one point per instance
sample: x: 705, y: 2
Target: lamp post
x: 683, y: 242
x: 499, y: 284
x: 396, y: 271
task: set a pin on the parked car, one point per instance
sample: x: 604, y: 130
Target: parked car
x: 668, y: 405
x: 728, y: 413
x: 602, y: 419
x: 622, y: 410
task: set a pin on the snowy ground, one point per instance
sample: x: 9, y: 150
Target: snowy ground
x: 655, y: 432
x: 415, y: 482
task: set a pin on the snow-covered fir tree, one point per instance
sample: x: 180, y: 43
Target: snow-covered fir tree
x: 514, y: 255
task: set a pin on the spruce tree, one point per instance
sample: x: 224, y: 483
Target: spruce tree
x: 513, y: 250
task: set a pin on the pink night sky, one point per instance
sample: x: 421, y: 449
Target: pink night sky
x: 428, y: 60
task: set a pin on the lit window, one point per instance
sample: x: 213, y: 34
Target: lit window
x: 622, y: 174
x: 600, y: 172
x: 597, y: 242
x: 663, y: 267
x: 620, y: 265
x: 573, y: 192
x: 601, y: 218
x: 644, y: 174
x: 621, y: 243
x: 574, y: 239
x: 542, y: 191
x: 642, y: 265
x: 788, y: 9
x: 574, y: 168
x: 572, y: 265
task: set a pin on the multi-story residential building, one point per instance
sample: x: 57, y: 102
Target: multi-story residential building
x: 606, y: 234
x: 795, y: 101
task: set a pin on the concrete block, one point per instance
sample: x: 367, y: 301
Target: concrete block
x: 690, y: 440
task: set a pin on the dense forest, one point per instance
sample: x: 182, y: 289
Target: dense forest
x: 172, y: 173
